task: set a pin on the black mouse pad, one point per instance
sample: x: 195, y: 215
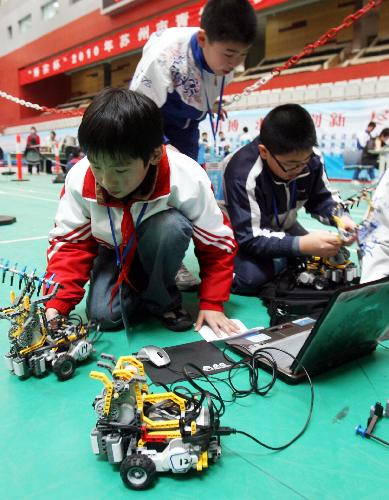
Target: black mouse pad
x: 203, y: 354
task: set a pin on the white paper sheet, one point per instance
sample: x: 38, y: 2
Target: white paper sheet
x: 210, y: 336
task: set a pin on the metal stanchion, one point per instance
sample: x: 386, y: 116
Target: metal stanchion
x: 19, y: 161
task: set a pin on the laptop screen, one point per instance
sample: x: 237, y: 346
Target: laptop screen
x: 352, y: 322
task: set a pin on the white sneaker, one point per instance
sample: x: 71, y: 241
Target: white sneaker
x: 185, y: 280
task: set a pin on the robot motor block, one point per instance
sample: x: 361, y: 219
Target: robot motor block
x: 148, y: 433
x: 323, y: 272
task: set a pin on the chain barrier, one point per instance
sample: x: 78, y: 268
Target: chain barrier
x: 28, y: 104
x: 308, y: 49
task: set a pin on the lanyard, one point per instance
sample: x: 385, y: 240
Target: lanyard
x: 219, y: 108
x: 120, y: 260
x: 292, y: 201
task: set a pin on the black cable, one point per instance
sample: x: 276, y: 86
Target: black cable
x: 215, y: 397
x: 250, y: 362
x: 215, y: 402
x: 382, y: 345
x: 264, y: 349
x: 376, y: 438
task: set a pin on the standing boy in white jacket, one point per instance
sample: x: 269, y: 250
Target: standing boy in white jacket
x: 184, y: 70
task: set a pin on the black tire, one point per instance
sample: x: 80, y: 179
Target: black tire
x: 321, y: 283
x: 137, y: 472
x: 64, y: 367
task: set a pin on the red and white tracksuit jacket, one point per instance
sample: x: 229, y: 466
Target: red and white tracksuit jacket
x: 82, y: 223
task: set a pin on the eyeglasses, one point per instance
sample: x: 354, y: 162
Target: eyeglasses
x: 299, y: 166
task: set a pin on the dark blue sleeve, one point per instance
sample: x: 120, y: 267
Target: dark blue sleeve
x: 321, y: 200
x: 252, y: 228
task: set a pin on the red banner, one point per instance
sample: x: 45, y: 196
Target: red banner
x: 120, y: 43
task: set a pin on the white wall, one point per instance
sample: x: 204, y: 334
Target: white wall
x: 14, y: 10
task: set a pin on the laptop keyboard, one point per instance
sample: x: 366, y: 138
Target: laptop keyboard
x: 291, y: 345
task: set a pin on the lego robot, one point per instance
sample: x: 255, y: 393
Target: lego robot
x: 36, y: 344
x: 148, y: 433
x: 323, y: 272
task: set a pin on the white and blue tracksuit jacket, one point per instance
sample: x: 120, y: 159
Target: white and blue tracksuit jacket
x: 175, y: 75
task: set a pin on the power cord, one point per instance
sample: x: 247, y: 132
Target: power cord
x: 216, y: 403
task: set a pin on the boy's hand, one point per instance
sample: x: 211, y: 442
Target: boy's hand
x: 348, y: 230
x: 223, y: 115
x: 347, y: 223
x: 53, y: 318
x: 223, y: 112
x: 51, y: 313
x: 217, y: 321
x: 320, y: 243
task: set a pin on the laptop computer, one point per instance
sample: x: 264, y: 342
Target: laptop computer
x: 355, y: 317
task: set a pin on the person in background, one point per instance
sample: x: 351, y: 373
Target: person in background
x: 50, y: 143
x: 185, y: 70
x: 32, y: 151
x: 266, y: 182
x: 366, y: 135
x: 1, y: 157
x: 365, y: 141
x: 381, y: 140
x: 370, y: 158
x: 68, y: 144
x: 226, y: 150
x: 221, y: 143
x: 245, y: 138
x: 75, y: 157
x: 202, y: 146
x: 208, y: 154
x: 126, y: 217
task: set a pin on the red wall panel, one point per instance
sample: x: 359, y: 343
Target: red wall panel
x: 80, y: 31
x: 54, y: 90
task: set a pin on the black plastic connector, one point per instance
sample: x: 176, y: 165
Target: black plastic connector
x: 378, y: 410
x: 225, y: 431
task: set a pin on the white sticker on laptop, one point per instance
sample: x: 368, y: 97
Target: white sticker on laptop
x: 303, y: 321
x: 257, y: 337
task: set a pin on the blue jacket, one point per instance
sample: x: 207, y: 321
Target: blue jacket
x: 263, y: 207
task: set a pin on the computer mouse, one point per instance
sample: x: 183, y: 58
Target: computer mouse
x: 156, y: 355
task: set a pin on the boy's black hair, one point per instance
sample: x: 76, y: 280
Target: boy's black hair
x: 384, y: 132
x: 229, y: 21
x: 372, y: 125
x: 245, y: 130
x: 287, y: 129
x: 121, y: 123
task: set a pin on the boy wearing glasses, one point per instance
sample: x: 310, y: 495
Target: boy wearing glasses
x: 266, y: 183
